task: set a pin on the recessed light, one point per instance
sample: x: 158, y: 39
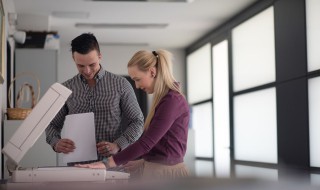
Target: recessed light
x: 124, y: 26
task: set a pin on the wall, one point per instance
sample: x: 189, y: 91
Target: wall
x: 8, y: 7
x: 115, y: 59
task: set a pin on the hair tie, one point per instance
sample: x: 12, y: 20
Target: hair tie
x: 155, y: 53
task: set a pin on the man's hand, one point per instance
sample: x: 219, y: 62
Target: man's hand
x: 64, y: 146
x: 107, y: 148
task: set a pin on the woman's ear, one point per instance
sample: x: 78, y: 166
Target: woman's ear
x: 153, y: 72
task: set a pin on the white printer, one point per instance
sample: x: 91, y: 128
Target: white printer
x: 28, y: 133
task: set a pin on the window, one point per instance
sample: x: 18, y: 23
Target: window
x: 221, y: 109
x: 202, y: 125
x: 253, y: 50
x: 313, y: 30
x: 255, y: 126
x: 199, y: 75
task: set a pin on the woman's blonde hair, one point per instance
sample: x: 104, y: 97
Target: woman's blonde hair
x: 164, y: 81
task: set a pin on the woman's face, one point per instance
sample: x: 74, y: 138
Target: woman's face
x: 143, y: 79
x: 87, y: 64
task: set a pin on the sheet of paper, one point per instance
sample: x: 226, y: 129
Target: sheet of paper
x: 81, y: 130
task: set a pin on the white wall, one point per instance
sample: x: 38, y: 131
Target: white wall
x: 115, y: 59
x: 8, y: 7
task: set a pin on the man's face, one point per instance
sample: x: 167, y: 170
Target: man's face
x: 88, y: 64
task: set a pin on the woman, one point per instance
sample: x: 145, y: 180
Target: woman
x: 163, y: 144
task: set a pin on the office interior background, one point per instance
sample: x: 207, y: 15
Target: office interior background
x: 253, y: 88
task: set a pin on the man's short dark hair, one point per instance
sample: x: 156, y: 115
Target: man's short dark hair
x: 84, y: 43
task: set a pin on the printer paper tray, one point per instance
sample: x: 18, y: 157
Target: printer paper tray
x: 61, y: 174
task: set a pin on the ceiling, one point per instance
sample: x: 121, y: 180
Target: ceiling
x: 172, y: 24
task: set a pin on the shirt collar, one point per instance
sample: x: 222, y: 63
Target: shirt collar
x: 97, y: 77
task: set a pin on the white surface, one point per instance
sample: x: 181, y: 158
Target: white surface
x: 242, y: 171
x: 65, y: 174
x: 187, y: 21
x: 221, y: 117
x: 77, y: 185
x: 42, y: 63
x: 115, y: 60
x: 39, y: 22
x: 201, y: 119
x: 199, y: 74
x: 253, y: 51
x: 58, y: 174
x: 255, y: 126
x: 204, y: 168
x: 315, y: 179
x: 81, y: 130
x: 40, y: 154
x: 36, y: 122
x: 314, y: 121
x: 189, y: 158
x: 313, y: 30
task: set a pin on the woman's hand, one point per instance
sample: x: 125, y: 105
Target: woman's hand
x: 94, y: 165
x: 107, y: 148
x: 64, y: 146
x: 99, y: 165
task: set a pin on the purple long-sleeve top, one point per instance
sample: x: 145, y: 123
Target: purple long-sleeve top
x: 165, y: 141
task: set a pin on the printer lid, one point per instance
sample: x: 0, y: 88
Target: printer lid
x: 35, y: 123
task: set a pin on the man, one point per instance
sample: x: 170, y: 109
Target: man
x: 108, y: 96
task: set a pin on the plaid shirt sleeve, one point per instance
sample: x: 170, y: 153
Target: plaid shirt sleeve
x: 132, y: 112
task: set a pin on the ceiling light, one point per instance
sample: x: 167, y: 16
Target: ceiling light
x: 19, y: 36
x: 122, y: 26
x: 67, y: 14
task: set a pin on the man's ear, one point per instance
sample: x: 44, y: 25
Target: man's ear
x: 100, y: 57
